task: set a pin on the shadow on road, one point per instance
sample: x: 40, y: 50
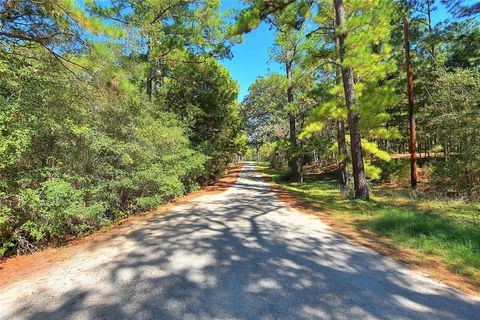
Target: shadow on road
x: 242, y: 256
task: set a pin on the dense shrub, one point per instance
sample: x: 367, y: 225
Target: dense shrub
x: 76, y: 155
x: 455, y: 119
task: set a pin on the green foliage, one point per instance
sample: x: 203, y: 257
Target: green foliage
x: 14, y: 139
x: 82, y: 145
x: 373, y: 150
x: 446, y: 102
x: 204, y: 97
x: 372, y: 172
x: 462, y: 9
x: 396, y: 170
x: 73, y: 160
x: 306, y: 45
x: 54, y: 210
x: 110, y: 108
x: 462, y: 43
x: 262, y: 109
x: 456, y: 121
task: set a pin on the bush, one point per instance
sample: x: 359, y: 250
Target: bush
x: 52, y: 211
x: 455, y: 118
x: 457, y: 175
x: 77, y: 155
x: 396, y: 170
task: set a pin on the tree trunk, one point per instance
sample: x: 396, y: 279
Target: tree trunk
x: 150, y: 78
x: 359, y: 178
x: 341, y: 141
x: 342, y: 156
x: 293, y: 161
x: 150, y: 74
x: 411, y: 110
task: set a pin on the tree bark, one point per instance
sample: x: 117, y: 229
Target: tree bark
x: 341, y: 141
x: 359, y: 177
x: 342, y: 156
x: 293, y: 161
x: 150, y: 74
x: 411, y: 110
x: 150, y: 78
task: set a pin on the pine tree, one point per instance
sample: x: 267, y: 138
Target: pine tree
x: 411, y: 107
x: 287, y: 51
x: 164, y: 27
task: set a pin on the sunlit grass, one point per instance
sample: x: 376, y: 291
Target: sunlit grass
x: 445, y: 229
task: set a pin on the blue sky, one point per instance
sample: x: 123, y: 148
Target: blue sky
x: 250, y: 58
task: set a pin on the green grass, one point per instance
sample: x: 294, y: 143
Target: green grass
x: 448, y: 230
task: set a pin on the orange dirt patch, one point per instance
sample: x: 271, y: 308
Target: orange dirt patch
x: 20, y: 267
x: 428, y: 265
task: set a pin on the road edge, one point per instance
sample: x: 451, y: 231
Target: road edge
x: 21, y: 267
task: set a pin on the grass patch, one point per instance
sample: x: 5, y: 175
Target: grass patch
x: 443, y: 229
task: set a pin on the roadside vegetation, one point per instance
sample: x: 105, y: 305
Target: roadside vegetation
x: 364, y: 81
x: 107, y: 109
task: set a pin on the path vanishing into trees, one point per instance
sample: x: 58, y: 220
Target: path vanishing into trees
x: 240, y: 254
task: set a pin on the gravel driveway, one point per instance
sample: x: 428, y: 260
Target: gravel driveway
x: 241, y: 254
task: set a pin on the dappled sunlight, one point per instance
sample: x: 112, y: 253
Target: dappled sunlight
x: 443, y: 234
x: 240, y: 255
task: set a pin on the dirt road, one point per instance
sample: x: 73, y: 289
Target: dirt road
x: 240, y: 254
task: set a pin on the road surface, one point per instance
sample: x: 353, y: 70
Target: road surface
x: 241, y: 254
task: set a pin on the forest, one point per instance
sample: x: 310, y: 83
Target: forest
x: 109, y: 108
x: 367, y: 83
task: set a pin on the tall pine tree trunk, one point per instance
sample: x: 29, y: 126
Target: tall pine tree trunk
x: 341, y: 141
x: 342, y: 148
x: 293, y: 161
x: 150, y: 74
x: 359, y: 178
x: 149, y: 85
x: 411, y: 110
